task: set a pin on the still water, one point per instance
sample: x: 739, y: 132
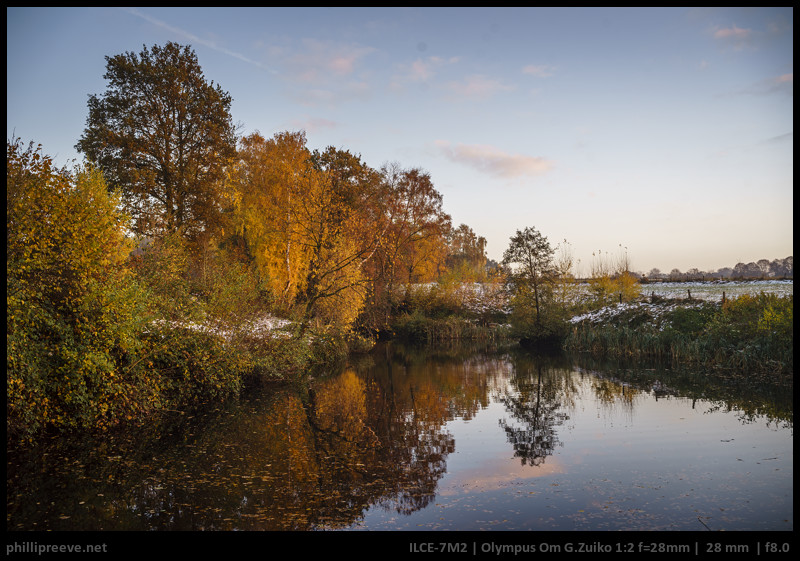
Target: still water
x: 444, y: 439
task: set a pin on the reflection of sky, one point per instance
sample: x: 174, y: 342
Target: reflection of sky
x: 483, y: 459
x: 660, y: 464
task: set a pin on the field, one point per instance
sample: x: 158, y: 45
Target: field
x: 481, y: 299
x: 671, y: 295
x: 713, y: 290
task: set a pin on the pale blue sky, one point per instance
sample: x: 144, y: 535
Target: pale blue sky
x: 668, y: 132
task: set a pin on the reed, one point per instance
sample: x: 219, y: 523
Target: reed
x: 753, y: 333
x: 421, y: 328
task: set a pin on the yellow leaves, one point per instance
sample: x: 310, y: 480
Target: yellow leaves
x: 60, y: 225
x: 623, y: 287
x: 271, y: 186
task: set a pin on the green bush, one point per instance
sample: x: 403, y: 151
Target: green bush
x: 96, y: 338
x: 622, y: 287
x: 417, y: 327
x: 777, y: 318
x: 188, y: 366
x: 690, y: 321
x: 277, y: 359
x: 74, y: 312
x: 437, y: 300
x: 546, y: 328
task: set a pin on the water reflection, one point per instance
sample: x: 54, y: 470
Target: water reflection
x: 373, y: 437
x: 536, y: 398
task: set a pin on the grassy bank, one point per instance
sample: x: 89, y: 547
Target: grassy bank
x: 417, y: 327
x: 751, y: 332
x: 450, y: 312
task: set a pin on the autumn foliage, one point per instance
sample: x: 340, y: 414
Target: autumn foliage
x: 136, y: 282
x: 133, y: 278
x: 72, y: 312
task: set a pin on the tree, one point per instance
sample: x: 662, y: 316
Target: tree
x: 265, y: 184
x: 63, y: 229
x: 340, y: 229
x: 539, y: 310
x: 163, y: 136
x: 466, y: 259
x: 675, y: 274
x: 415, y: 245
x: 311, y: 220
x: 531, y: 260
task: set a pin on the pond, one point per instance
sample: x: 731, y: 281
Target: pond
x: 411, y: 438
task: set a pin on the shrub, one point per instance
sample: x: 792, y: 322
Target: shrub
x: 752, y: 333
x: 190, y: 365
x: 777, y: 318
x: 437, y: 300
x: 73, y: 309
x: 607, y: 289
x: 328, y: 346
x: 690, y: 321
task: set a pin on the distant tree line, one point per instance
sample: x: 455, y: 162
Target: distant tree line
x: 761, y: 269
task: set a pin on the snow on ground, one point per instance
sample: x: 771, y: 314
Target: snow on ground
x: 655, y: 311
x: 712, y: 290
x: 264, y: 326
x: 676, y: 294
x: 483, y: 298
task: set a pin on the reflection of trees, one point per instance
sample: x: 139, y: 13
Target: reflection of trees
x: 751, y: 396
x: 409, y: 402
x: 317, y: 457
x: 402, y: 464
x: 535, y: 400
x: 291, y: 459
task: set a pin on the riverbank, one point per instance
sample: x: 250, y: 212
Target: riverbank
x: 749, y: 332
x: 181, y: 364
x: 721, y: 324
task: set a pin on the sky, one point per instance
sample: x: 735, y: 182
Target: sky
x: 661, y: 134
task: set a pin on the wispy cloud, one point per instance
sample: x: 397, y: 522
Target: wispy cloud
x: 539, y: 70
x: 476, y: 87
x: 782, y: 83
x: 194, y: 38
x: 320, y: 62
x: 313, y: 124
x: 421, y: 70
x: 323, y: 72
x: 332, y: 94
x: 734, y: 36
x: 493, y: 161
x: 733, y: 32
x: 781, y: 138
x: 779, y: 84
